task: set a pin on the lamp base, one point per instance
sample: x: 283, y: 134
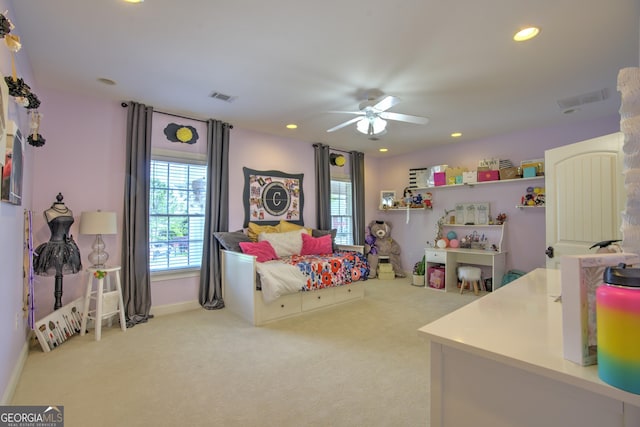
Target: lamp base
x: 98, y: 257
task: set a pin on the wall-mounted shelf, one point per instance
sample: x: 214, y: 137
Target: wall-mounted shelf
x: 535, y: 178
x: 473, y: 225
x: 403, y: 209
x: 529, y: 207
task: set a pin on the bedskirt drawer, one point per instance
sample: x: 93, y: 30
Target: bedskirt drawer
x: 283, y: 306
x: 349, y: 292
x: 316, y: 299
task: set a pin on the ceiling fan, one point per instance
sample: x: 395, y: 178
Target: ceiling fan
x: 373, y: 114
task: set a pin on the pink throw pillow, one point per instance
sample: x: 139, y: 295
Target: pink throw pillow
x: 316, y: 245
x: 262, y: 250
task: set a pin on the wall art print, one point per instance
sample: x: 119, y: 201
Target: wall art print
x: 271, y: 196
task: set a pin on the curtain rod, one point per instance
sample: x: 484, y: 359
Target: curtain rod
x: 341, y: 151
x: 125, y: 105
x: 335, y: 149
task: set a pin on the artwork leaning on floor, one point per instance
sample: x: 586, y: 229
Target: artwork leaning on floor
x: 271, y: 196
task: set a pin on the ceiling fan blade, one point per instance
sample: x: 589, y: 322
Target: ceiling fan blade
x: 347, y: 123
x: 386, y: 103
x: 359, y: 113
x: 404, y: 118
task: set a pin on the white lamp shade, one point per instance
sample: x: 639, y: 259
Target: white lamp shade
x: 98, y: 223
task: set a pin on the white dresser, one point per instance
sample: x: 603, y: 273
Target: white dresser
x: 498, y: 362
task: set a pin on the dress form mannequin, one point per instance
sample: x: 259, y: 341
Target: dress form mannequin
x: 60, y: 254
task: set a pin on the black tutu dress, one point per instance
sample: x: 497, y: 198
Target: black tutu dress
x: 60, y: 255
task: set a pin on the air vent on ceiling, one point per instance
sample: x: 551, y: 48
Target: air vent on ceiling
x: 586, y: 98
x: 223, y: 97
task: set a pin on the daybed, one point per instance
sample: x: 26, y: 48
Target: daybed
x: 308, y: 282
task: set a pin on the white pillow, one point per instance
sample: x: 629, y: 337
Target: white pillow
x: 285, y: 244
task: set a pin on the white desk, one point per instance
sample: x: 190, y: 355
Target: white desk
x: 498, y: 361
x: 452, y: 257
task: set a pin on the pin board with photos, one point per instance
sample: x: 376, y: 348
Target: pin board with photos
x: 271, y: 196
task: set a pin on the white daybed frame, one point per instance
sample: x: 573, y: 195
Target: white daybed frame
x: 241, y: 296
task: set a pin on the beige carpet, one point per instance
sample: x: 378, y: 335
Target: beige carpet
x: 358, y: 364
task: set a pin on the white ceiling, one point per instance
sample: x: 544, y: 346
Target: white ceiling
x: 296, y: 60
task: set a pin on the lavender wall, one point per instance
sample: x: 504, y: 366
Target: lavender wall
x: 525, y: 230
x: 264, y: 152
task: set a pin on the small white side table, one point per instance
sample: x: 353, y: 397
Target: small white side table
x: 108, y: 302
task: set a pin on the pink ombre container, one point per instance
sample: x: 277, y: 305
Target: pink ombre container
x: 618, y: 328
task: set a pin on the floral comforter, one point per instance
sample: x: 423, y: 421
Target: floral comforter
x: 310, y: 272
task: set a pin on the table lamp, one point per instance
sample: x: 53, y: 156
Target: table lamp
x: 98, y: 223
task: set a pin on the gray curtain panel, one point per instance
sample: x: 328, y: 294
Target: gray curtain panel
x: 136, y: 289
x: 357, y: 188
x: 216, y: 213
x: 323, y: 186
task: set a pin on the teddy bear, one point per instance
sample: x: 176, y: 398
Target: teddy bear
x: 378, y: 242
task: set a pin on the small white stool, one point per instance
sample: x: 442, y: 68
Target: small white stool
x: 108, y: 302
x: 468, y: 276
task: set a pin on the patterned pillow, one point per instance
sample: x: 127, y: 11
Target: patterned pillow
x: 285, y: 244
x: 263, y: 251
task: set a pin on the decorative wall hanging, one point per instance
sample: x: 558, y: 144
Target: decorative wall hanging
x: 337, y: 160
x: 181, y: 133
x: 34, y: 137
x: 270, y: 196
x: 5, y: 25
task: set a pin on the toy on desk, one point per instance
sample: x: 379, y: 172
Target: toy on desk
x: 501, y: 218
x: 473, y: 241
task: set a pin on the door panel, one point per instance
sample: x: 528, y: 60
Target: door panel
x: 584, y: 195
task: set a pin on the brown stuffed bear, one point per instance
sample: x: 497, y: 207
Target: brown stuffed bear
x: 383, y: 245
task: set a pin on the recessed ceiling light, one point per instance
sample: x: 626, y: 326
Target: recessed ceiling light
x: 292, y: 126
x: 526, y: 34
x: 456, y: 134
x: 383, y: 150
x: 133, y: 1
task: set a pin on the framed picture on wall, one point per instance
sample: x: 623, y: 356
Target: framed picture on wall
x: 4, y: 106
x: 11, y: 190
x: 387, y: 199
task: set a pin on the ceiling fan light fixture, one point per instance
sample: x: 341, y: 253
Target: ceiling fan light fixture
x: 371, y: 126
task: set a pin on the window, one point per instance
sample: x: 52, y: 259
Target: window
x: 342, y: 210
x: 176, y: 214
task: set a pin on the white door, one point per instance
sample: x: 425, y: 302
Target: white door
x: 584, y: 196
